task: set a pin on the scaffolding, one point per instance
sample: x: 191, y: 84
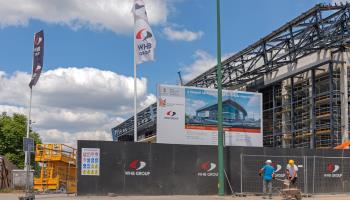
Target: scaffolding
x: 304, y: 111
x: 57, y: 168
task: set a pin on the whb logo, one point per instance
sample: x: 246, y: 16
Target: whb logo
x: 37, y: 48
x: 278, y: 170
x: 332, y: 170
x: 137, y: 165
x: 144, y: 46
x: 38, y: 40
x: 207, y: 166
x: 37, y: 69
x: 137, y: 168
x: 171, y: 115
x: 207, y: 169
x: 143, y: 35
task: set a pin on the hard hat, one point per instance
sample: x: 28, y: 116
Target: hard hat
x: 268, y: 161
x: 291, y: 162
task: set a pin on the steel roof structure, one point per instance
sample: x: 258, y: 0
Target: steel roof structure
x: 321, y: 27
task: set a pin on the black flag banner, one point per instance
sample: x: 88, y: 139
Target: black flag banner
x: 38, y: 57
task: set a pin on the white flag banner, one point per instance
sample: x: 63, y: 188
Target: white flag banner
x: 145, y: 42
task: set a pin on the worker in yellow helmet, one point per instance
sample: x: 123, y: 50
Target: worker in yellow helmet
x: 292, y: 172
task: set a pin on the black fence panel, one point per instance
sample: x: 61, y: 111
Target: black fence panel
x: 206, y: 170
x: 184, y: 169
x: 165, y: 169
x: 331, y: 175
x: 162, y: 172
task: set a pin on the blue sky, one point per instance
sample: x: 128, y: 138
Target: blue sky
x: 88, y: 61
x: 243, y: 22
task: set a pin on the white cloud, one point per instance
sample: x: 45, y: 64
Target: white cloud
x: 340, y: 1
x: 83, y: 103
x: 70, y: 138
x: 184, y: 35
x: 203, y: 62
x: 112, y: 15
x: 73, y: 88
x: 150, y: 99
x: 12, y: 109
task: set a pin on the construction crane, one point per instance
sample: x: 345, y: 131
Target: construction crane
x: 58, y: 168
x: 180, y: 78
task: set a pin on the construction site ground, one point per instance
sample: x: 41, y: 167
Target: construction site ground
x: 14, y: 196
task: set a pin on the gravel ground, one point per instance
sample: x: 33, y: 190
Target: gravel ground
x: 13, y: 196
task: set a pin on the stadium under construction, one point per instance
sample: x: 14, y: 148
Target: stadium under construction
x: 302, y: 70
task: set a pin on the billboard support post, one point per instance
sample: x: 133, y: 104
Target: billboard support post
x: 221, y: 190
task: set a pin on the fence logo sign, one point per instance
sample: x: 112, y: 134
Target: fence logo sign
x: 278, y: 171
x: 172, y: 115
x: 207, y: 169
x: 332, y: 170
x: 137, y: 168
x: 90, y: 161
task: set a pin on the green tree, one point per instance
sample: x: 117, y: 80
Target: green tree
x: 12, y: 130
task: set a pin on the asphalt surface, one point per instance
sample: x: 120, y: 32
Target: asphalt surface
x: 14, y: 196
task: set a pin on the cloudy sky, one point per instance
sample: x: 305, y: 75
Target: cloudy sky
x: 87, y: 85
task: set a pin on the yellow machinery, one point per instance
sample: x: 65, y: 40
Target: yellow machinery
x: 58, y: 168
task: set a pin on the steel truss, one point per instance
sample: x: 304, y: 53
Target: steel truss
x: 321, y: 27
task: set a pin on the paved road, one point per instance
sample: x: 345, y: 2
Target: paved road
x: 13, y: 196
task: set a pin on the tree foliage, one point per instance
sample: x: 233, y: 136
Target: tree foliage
x: 12, y: 130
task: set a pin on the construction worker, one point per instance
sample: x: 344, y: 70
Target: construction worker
x: 268, y: 173
x: 292, y: 172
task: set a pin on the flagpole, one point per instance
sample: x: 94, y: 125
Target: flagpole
x: 135, y: 94
x: 221, y: 189
x: 27, y: 152
x: 28, y: 124
x: 28, y: 119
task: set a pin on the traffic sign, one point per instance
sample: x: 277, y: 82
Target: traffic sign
x: 28, y: 144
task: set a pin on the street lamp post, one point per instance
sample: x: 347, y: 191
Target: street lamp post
x: 221, y: 189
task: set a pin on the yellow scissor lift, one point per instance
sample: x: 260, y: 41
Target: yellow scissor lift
x: 58, y: 168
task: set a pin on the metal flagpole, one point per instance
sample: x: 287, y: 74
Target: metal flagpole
x: 28, y: 124
x: 221, y: 189
x: 135, y: 95
x: 27, y: 152
x: 30, y: 110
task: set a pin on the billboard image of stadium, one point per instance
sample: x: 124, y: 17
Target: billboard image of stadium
x: 241, y: 110
x: 188, y: 115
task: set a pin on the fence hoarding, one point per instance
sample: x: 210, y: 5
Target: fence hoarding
x: 188, y: 115
x: 128, y: 168
x: 252, y: 163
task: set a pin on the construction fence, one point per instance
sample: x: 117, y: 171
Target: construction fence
x: 316, y: 174
x: 126, y: 168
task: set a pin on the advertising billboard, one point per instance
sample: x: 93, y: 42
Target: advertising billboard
x: 188, y: 115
